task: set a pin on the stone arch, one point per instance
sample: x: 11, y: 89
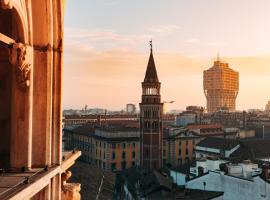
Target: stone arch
x: 15, y: 70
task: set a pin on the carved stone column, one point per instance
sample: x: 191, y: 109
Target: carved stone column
x: 6, y: 4
x: 70, y: 191
x: 21, y: 57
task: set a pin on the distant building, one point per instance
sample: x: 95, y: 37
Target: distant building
x: 256, y: 150
x: 238, y: 181
x: 221, y: 85
x: 267, y: 107
x: 192, y: 115
x: 242, y: 179
x: 217, y: 147
x: 111, y: 148
x: 185, y: 118
x: 178, y: 146
x: 116, y: 138
x: 230, y: 119
x: 198, y: 109
x: 151, y: 118
x: 206, y: 130
x: 130, y: 108
x: 136, y: 184
x: 77, y: 120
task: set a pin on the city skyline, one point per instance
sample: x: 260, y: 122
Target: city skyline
x: 113, y: 53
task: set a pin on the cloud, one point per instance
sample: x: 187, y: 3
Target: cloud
x: 102, y: 39
x: 192, y: 40
x: 217, y: 44
x: 164, y: 29
x: 110, y: 2
x: 102, y: 34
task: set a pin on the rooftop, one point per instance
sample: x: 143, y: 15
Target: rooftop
x: 90, y: 178
x: 252, y: 149
x: 218, y: 143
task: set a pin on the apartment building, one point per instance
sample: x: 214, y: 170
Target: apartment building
x: 111, y: 148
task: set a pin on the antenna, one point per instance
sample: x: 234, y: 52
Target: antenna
x: 218, y: 59
x: 151, y: 45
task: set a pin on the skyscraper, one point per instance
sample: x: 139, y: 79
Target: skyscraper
x: 151, y: 118
x: 221, y: 85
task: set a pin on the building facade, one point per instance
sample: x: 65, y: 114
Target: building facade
x: 151, y: 118
x: 131, y: 108
x: 221, y: 85
x: 31, y: 41
x: 178, y: 146
x: 109, y: 148
x: 185, y: 118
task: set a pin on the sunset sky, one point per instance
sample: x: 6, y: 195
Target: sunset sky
x: 106, y: 49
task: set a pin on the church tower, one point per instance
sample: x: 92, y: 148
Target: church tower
x: 151, y: 118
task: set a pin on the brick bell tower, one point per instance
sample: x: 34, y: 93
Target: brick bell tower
x: 151, y: 118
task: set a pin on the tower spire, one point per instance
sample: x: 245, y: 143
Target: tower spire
x: 151, y: 45
x: 151, y: 72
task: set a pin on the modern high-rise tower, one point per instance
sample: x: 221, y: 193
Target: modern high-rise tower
x: 151, y: 118
x: 221, y: 85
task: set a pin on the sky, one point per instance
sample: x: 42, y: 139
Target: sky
x: 106, y: 49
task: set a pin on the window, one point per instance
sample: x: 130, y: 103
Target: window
x: 133, y: 154
x: 123, y: 145
x: 123, y: 164
x: 113, y: 155
x: 179, y: 152
x: 186, y: 151
x: 133, y: 163
x: 187, y: 142
x: 113, y: 167
x: 146, y: 153
x: 113, y: 146
x: 124, y: 155
x: 133, y: 145
x: 180, y: 143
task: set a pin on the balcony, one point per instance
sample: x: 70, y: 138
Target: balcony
x: 24, y: 185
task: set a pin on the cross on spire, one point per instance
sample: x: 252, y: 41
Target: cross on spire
x: 151, y: 45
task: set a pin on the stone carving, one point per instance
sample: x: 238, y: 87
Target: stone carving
x: 21, y: 56
x: 70, y: 191
x: 6, y: 4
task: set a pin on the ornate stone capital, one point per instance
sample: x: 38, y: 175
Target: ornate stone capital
x: 21, y: 57
x: 6, y: 4
x: 70, y: 191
